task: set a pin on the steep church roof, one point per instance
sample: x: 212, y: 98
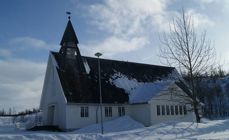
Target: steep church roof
x: 83, y: 88
x: 69, y: 34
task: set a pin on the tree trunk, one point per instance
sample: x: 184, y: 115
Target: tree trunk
x: 196, y: 112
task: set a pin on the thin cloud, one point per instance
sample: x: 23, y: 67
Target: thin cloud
x: 126, y: 17
x: 113, y: 45
x: 5, y: 53
x: 200, y: 20
x: 208, y: 1
x: 32, y: 43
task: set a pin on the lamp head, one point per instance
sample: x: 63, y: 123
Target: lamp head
x: 98, y: 54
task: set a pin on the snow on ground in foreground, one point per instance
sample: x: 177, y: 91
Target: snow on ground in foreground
x: 218, y: 129
x: 119, y: 124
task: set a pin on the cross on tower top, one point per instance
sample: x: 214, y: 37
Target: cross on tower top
x: 68, y: 13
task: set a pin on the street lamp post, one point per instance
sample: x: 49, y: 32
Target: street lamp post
x: 100, y: 92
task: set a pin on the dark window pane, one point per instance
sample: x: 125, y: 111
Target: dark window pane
x: 119, y: 111
x: 158, y: 110
x: 106, y: 111
x: 123, y: 111
x: 82, y: 112
x: 176, y: 110
x: 172, y: 110
x: 167, y: 110
x: 163, y: 110
x: 180, y: 110
x: 110, y: 111
x: 185, y: 110
x: 86, y: 112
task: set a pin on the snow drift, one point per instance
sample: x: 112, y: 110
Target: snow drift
x: 120, y: 124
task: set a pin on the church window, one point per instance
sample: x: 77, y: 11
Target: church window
x: 71, y: 53
x: 158, y: 110
x: 180, y: 110
x: 167, y: 110
x: 108, y: 111
x: 121, y: 111
x: 84, y: 112
x: 172, y: 109
x: 176, y: 110
x: 162, y: 110
x: 185, y: 110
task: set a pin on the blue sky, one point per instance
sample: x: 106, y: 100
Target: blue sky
x: 121, y: 29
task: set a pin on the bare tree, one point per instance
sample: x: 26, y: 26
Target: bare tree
x: 190, y: 52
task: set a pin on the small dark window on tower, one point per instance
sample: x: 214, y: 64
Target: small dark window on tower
x: 71, y: 53
x: 158, y: 110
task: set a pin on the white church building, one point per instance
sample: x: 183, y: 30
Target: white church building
x: 147, y: 93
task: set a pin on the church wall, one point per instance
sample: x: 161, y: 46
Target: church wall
x: 53, y: 96
x: 75, y: 121
x: 140, y: 113
x: 166, y: 98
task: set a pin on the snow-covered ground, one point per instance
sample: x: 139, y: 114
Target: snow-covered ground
x: 125, y: 129
x: 117, y: 125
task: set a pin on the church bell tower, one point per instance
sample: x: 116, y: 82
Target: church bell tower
x: 70, y: 57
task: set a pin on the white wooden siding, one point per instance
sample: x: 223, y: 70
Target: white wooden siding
x: 52, y: 94
x: 75, y: 121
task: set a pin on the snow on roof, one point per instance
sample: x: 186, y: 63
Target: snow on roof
x: 87, y: 68
x: 139, y: 92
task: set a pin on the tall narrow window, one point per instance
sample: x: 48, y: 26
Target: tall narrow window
x: 172, y: 109
x: 167, y: 110
x: 108, y: 111
x: 176, y: 110
x: 84, y: 112
x: 185, y: 110
x: 121, y: 111
x: 180, y: 110
x: 162, y: 110
x: 158, y: 110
